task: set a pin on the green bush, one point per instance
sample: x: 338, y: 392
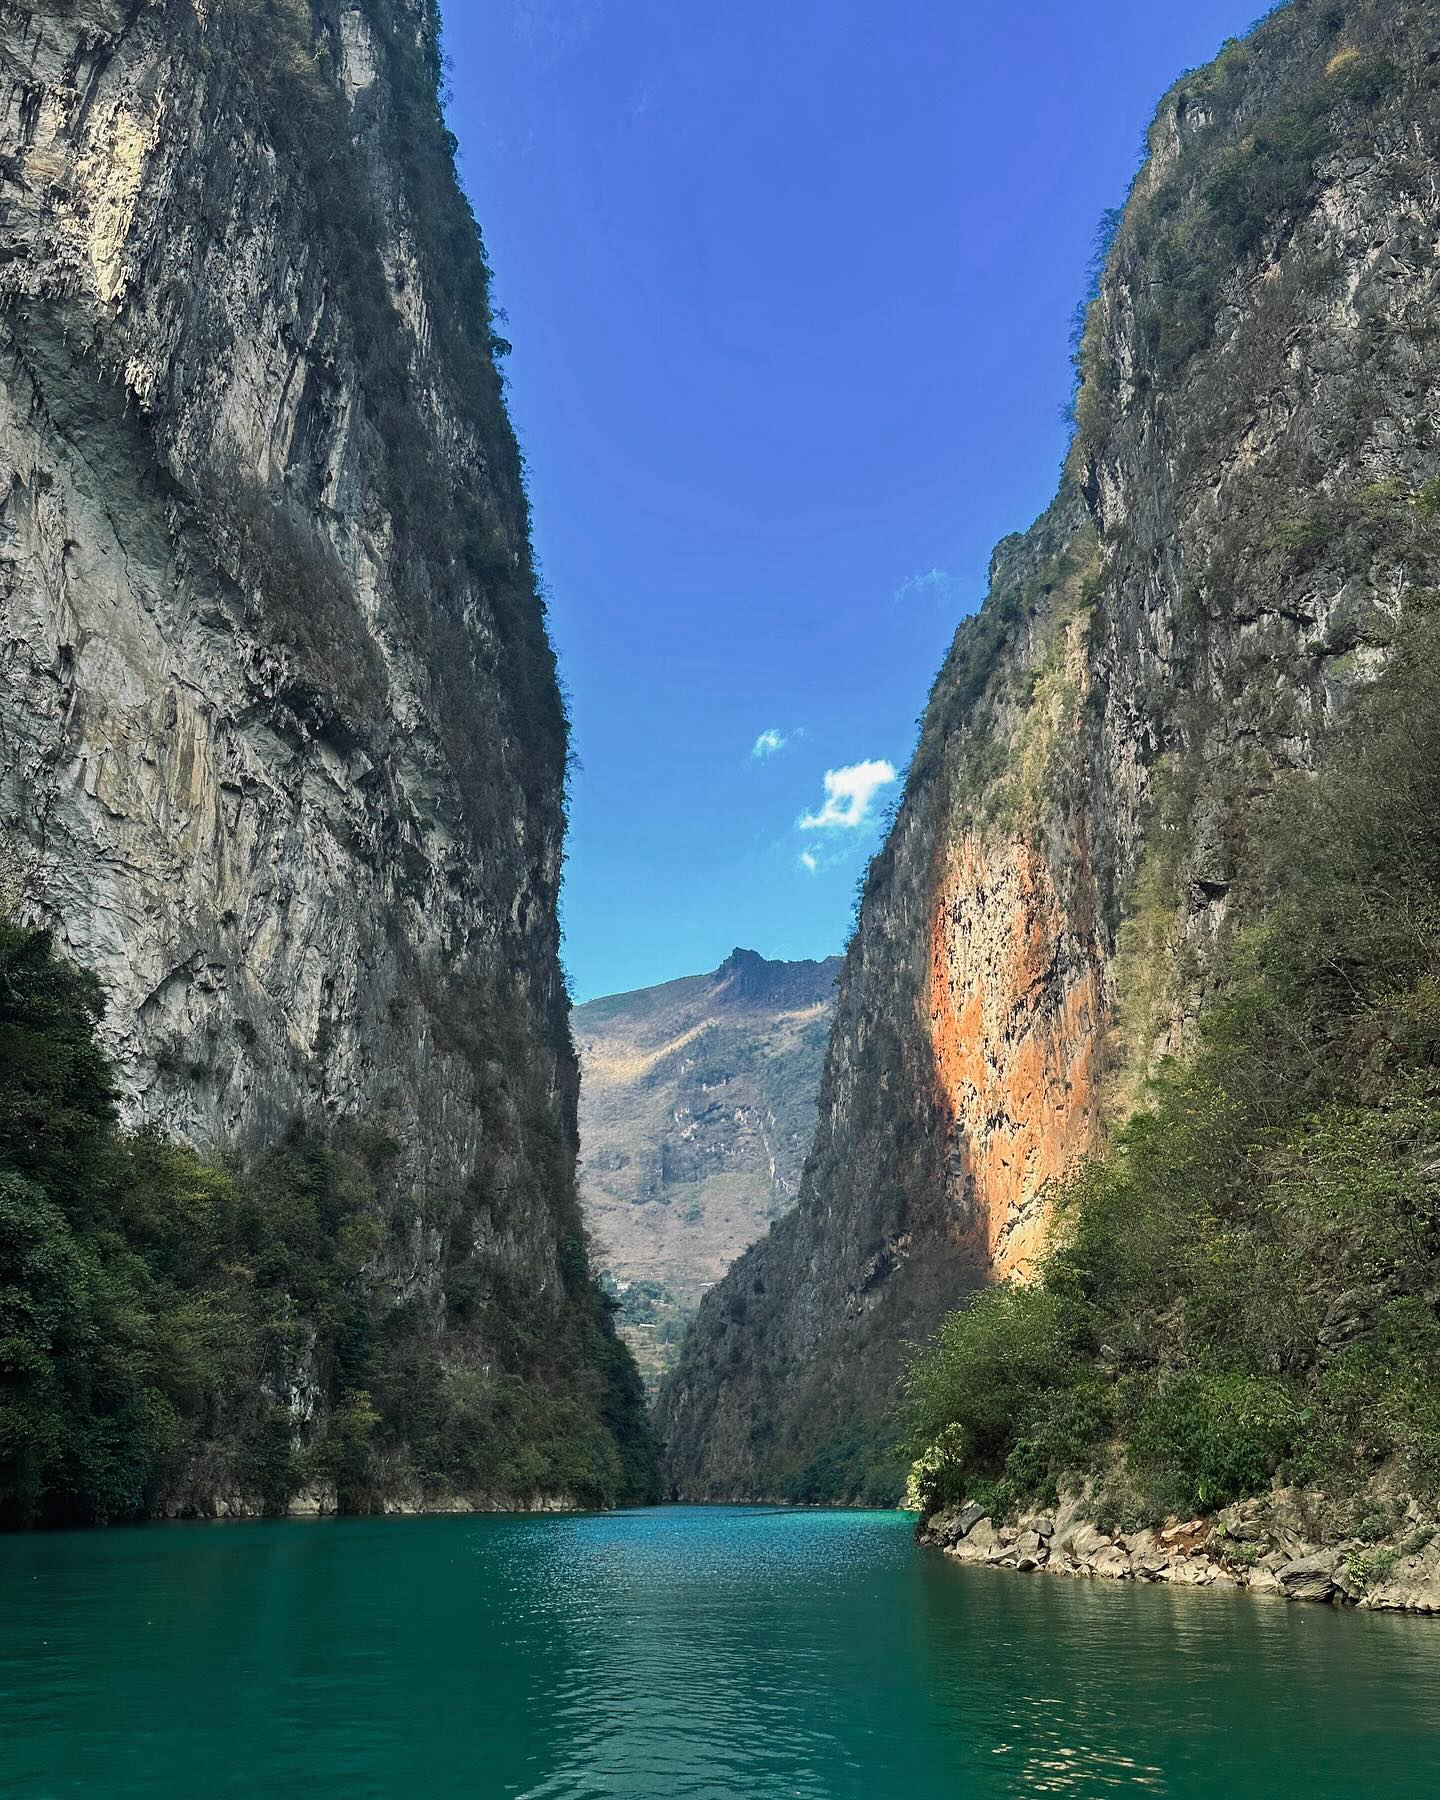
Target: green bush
x: 1249, y: 161
x: 861, y: 1465
x: 1202, y: 1440
x: 154, y: 1307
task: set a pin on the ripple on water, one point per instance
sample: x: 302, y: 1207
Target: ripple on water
x: 719, y: 1654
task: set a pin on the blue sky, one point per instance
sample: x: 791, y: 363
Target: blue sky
x: 789, y: 285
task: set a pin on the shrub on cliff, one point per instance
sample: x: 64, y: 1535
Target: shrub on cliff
x: 161, y: 1316
x: 1247, y: 1284
x: 1247, y: 140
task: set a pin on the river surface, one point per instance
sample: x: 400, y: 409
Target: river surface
x: 724, y: 1653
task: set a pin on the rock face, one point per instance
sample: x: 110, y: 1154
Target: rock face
x: 1223, y: 563
x: 697, y: 1107
x: 1287, y: 1543
x: 283, y: 749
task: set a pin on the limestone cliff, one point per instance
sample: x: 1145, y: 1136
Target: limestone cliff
x: 283, y: 748
x: 1233, y: 540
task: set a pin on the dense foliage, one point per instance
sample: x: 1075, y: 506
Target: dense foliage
x: 172, y: 1330
x: 1248, y: 1285
x: 863, y: 1464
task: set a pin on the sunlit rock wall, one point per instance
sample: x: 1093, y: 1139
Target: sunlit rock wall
x: 1225, y: 561
x: 281, y: 746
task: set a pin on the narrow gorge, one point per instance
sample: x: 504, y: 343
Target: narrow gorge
x: 448, y: 1345
x: 697, y: 1107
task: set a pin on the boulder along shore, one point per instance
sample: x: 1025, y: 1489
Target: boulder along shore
x: 1283, y: 1543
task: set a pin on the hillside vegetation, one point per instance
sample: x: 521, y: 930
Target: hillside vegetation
x: 1246, y: 1288
x: 173, y: 1329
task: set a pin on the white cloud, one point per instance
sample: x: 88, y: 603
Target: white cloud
x: 772, y: 742
x: 848, y: 795
x: 937, y: 585
x: 809, y: 860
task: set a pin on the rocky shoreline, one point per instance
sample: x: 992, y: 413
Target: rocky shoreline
x: 1283, y: 1543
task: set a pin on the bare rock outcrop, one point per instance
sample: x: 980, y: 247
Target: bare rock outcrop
x: 281, y: 745
x: 1288, y: 1543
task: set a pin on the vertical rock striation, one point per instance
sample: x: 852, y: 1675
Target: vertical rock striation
x: 1243, y: 513
x: 282, y: 751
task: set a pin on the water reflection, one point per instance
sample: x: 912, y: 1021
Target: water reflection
x: 724, y: 1654
x: 705, y: 1658
x: 1092, y: 1686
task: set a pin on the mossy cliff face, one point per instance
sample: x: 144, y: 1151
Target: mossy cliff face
x: 1245, y: 509
x: 284, y: 751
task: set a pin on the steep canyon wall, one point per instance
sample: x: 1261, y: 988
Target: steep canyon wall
x: 282, y: 751
x: 1243, y: 514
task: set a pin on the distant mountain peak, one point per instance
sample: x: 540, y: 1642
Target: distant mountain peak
x: 697, y: 1106
x: 741, y: 958
x: 750, y: 977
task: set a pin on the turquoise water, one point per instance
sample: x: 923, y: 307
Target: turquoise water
x: 729, y: 1653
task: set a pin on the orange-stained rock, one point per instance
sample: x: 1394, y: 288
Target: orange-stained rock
x: 1150, y: 656
x: 1015, y: 1008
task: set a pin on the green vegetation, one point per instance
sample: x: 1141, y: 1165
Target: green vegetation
x: 638, y: 1302
x: 1038, y: 762
x: 649, y: 1304
x: 171, y: 1330
x: 863, y: 1465
x: 1048, y: 571
x: 1245, y: 1287
x: 651, y: 1320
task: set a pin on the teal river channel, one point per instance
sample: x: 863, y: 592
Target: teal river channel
x: 732, y: 1653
